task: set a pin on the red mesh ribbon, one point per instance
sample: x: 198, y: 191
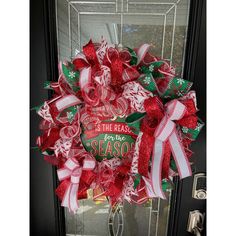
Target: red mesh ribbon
x: 190, y: 119
x: 90, y: 53
x: 145, y: 153
x: 154, y: 115
x: 154, y: 108
x: 116, y: 72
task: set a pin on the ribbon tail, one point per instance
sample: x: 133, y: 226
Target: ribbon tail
x: 149, y: 188
x: 70, y: 198
x: 157, y: 159
x: 73, y: 202
x: 179, y: 155
x: 65, y: 201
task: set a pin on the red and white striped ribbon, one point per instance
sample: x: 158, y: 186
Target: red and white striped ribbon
x: 166, y: 130
x: 143, y: 49
x: 67, y: 101
x: 73, y: 170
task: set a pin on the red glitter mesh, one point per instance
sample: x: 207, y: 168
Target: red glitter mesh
x: 145, y: 153
x: 166, y: 161
x: 189, y: 121
x: 90, y: 53
x: 190, y: 106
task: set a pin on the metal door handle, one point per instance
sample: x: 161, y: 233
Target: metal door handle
x: 195, y: 222
x: 196, y: 231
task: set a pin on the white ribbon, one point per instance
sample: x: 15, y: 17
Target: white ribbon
x: 85, y: 77
x: 67, y: 101
x: 73, y: 170
x: 166, y: 130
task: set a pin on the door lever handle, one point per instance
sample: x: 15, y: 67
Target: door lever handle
x: 195, y: 222
x: 196, y: 231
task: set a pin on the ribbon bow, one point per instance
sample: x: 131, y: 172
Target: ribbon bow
x: 73, y: 170
x: 166, y: 131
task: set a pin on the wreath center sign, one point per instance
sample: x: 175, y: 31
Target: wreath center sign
x: 119, y: 125
x: 109, y: 139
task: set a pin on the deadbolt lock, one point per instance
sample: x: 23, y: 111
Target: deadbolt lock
x: 199, y: 186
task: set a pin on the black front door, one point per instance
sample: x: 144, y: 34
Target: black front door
x: 176, y: 29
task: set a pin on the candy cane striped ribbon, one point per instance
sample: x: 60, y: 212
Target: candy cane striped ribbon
x: 166, y: 130
x: 73, y: 170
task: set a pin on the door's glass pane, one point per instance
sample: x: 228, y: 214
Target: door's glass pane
x: 161, y: 23
x: 150, y: 218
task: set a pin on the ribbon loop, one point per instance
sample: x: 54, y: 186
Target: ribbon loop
x: 73, y: 170
x: 175, y: 110
x: 71, y: 164
x: 75, y: 176
x: 66, y: 101
x: 165, y: 131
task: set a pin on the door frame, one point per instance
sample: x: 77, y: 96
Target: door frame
x: 195, y: 58
x: 192, y: 59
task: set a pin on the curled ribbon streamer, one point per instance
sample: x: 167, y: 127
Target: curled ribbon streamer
x: 92, y: 94
x: 69, y: 132
x: 142, y: 52
x: 169, y: 71
x: 73, y: 170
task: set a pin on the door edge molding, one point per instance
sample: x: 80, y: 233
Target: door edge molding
x: 52, y: 74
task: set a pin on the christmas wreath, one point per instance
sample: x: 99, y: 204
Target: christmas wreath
x: 118, y: 126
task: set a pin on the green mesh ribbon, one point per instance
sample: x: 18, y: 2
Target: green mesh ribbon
x: 47, y: 84
x: 133, y: 121
x: 70, y: 113
x: 48, y: 152
x: 37, y: 108
x: 176, y: 88
x: 148, y: 82
x: 71, y: 75
x: 152, y: 69
x: 173, y: 165
x: 166, y: 185
x: 134, y: 58
x: 193, y: 133
x: 137, y: 180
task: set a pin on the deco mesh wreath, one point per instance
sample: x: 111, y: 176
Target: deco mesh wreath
x: 119, y: 125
